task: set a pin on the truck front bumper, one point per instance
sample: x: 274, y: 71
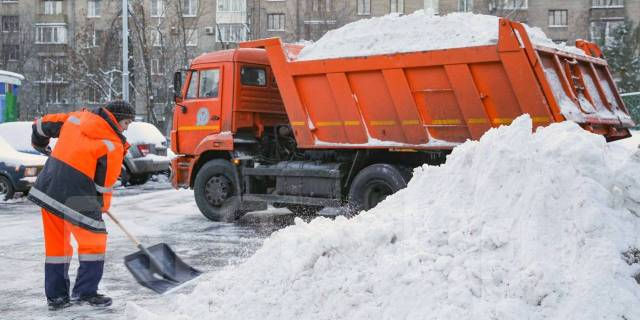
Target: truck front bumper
x: 181, y: 172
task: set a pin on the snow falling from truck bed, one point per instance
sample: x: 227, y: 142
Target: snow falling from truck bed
x: 517, y: 225
x: 419, y: 31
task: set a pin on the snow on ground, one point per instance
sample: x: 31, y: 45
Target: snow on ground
x: 154, y: 213
x: 419, y: 31
x: 514, y: 226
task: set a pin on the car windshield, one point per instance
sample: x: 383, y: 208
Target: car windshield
x: 5, y: 147
x: 18, y: 135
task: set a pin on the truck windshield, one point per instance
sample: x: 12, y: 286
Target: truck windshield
x: 193, y: 85
x: 209, y: 80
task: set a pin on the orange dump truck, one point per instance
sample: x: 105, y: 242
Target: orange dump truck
x: 254, y: 127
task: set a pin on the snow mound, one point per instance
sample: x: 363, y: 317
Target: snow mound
x: 517, y: 225
x: 419, y: 31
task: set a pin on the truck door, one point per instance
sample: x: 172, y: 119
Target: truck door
x: 201, y: 115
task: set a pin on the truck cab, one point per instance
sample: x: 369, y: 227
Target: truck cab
x: 224, y: 92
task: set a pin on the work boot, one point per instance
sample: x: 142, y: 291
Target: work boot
x: 58, y: 303
x: 97, y: 300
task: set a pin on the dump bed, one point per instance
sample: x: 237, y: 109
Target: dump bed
x: 438, y: 99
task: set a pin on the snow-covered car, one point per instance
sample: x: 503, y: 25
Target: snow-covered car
x: 18, y: 135
x: 18, y: 170
x: 147, y: 155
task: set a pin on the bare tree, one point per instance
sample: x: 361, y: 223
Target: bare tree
x: 94, y: 63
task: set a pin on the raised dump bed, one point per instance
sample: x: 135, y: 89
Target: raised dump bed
x: 437, y: 99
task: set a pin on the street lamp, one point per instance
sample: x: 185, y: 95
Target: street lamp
x: 125, y: 51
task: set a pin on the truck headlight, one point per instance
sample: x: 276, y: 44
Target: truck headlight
x: 30, y: 171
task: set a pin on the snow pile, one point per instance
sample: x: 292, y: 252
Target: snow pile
x: 142, y: 133
x: 514, y: 226
x: 419, y: 31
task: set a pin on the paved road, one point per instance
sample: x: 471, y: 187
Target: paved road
x: 156, y: 213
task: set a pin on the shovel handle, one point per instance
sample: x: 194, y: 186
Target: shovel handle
x: 131, y: 236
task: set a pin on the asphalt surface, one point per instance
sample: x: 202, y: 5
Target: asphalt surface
x: 154, y: 212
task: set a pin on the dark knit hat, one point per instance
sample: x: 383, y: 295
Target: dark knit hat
x: 121, y: 110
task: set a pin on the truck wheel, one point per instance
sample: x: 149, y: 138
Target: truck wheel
x: 302, y: 210
x: 215, y: 191
x: 373, y: 184
x: 6, y: 188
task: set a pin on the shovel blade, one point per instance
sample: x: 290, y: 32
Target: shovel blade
x: 172, y: 273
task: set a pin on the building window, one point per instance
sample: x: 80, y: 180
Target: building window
x: 465, y: 5
x: 321, y: 5
x: 603, y: 32
x: 11, y: 51
x: 54, y: 93
x: 157, y: 8
x: 156, y: 38
x: 51, y: 33
x: 189, y: 8
x: 607, y: 3
x: 558, y: 18
x: 156, y: 67
x: 396, y: 6
x: 432, y: 5
x: 10, y: 24
x: 363, y: 7
x: 192, y: 37
x: 52, y: 7
x: 231, y: 5
x: 95, y: 39
x: 52, y: 69
x: 231, y: 32
x: 515, y: 4
x: 275, y: 22
x: 93, y: 8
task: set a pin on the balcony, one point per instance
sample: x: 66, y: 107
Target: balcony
x: 51, y: 18
x: 231, y: 17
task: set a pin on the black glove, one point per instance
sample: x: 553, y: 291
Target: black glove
x: 46, y: 150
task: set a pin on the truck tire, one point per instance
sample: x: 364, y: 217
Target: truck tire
x: 215, y: 190
x: 373, y: 184
x: 6, y: 188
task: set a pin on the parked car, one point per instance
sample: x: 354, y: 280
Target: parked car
x: 147, y: 155
x: 18, y: 170
x: 18, y: 135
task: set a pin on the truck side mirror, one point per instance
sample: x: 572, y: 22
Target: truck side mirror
x: 177, y: 86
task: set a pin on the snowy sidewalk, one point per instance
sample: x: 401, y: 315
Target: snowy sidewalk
x: 168, y: 216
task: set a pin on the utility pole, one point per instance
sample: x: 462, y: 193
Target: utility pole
x: 125, y: 51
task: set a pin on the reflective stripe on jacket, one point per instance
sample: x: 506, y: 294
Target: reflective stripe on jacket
x: 76, y: 181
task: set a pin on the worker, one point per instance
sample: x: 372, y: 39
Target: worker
x: 74, y: 189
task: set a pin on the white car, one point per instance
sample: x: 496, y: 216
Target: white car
x: 147, y: 155
x: 18, y: 170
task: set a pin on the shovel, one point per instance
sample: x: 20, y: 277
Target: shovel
x: 157, y: 267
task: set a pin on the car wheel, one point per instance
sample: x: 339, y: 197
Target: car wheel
x: 6, y: 188
x: 215, y: 190
x: 125, y: 175
x: 373, y: 184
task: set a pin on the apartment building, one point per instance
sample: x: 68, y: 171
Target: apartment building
x: 295, y: 20
x: 69, y: 50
